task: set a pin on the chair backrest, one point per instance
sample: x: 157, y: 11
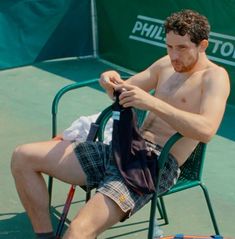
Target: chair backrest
x: 192, y: 168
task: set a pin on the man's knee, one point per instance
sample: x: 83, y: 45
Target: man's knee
x: 81, y: 229
x: 19, y: 159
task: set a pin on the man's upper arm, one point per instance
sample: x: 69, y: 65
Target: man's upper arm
x: 215, y: 91
x: 147, y: 79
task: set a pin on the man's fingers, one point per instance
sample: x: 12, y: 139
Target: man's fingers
x: 107, y: 82
x: 124, y: 87
x: 111, y: 80
x: 106, y: 79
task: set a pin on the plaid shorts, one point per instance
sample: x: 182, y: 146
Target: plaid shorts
x: 102, y: 173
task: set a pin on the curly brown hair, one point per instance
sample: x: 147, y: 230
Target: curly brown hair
x: 188, y: 22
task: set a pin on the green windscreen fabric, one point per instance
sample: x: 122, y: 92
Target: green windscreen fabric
x: 38, y: 30
x: 131, y: 33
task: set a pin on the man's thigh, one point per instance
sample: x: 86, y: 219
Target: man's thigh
x: 55, y: 158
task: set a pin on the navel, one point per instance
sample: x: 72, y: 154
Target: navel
x: 183, y: 100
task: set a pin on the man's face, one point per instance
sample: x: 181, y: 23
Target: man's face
x: 182, y: 52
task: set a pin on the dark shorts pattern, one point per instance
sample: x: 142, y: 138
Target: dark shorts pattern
x: 101, y: 171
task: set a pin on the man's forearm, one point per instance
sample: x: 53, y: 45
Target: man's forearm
x: 191, y: 125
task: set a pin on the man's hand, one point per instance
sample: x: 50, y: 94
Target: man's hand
x: 133, y: 96
x: 109, y: 80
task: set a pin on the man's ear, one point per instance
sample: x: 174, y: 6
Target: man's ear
x: 203, y: 45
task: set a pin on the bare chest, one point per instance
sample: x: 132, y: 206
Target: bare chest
x: 183, y: 93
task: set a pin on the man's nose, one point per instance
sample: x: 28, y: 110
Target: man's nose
x: 174, y: 56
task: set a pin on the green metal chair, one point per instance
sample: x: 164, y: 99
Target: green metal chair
x: 191, y: 171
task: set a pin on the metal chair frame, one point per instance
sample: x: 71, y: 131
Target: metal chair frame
x: 182, y: 184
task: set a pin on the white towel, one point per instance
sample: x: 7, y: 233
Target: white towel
x: 79, y: 129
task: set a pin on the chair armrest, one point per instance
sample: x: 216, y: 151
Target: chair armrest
x: 65, y: 89
x: 167, y: 147
x: 58, y: 96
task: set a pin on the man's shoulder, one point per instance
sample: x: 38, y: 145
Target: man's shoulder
x: 215, y: 71
x: 165, y: 60
x: 217, y: 77
x: 162, y: 63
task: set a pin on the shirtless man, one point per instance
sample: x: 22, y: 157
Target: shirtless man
x: 190, y: 98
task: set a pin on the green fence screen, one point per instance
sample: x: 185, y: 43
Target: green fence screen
x: 39, y: 30
x: 131, y: 33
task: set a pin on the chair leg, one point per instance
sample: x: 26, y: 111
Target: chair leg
x: 88, y: 195
x: 152, y: 216
x: 164, y: 210
x: 50, y: 185
x: 212, y: 215
x: 160, y: 210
